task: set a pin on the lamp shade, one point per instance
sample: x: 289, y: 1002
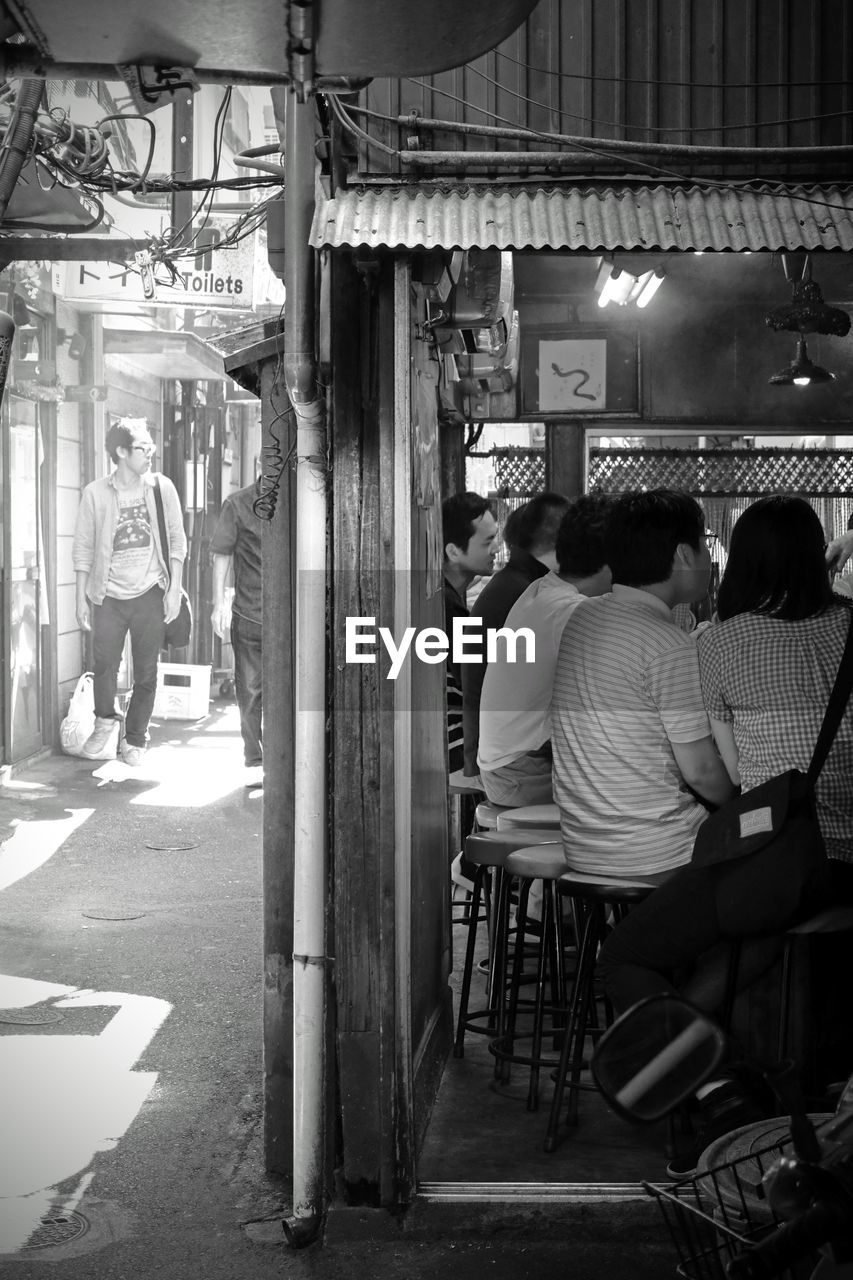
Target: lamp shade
x: 801, y: 372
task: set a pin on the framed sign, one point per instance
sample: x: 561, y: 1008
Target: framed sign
x: 578, y: 371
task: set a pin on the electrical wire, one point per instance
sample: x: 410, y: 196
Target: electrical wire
x: 207, y: 198
x: 578, y: 144
x: 621, y: 147
x: 673, y: 84
x: 350, y: 124
x: 273, y: 460
x: 611, y: 124
x: 751, y: 185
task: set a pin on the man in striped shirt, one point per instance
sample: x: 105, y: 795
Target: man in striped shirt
x: 632, y: 746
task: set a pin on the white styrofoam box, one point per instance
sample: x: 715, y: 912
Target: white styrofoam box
x: 183, y: 691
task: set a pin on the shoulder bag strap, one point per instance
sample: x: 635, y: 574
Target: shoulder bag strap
x: 161, y: 521
x: 835, y: 708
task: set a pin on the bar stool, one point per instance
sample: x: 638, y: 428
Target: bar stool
x: 532, y: 816
x: 545, y: 862
x: 591, y: 897
x: 831, y: 920
x: 464, y: 793
x: 486, y: 815
x: 488, y: 851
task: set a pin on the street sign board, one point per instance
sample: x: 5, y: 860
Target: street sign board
x: 214, y: 278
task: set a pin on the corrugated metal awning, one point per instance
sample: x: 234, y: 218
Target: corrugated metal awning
x: 596, y: 218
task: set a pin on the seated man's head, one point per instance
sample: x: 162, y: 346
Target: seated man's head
x: 657, y: 540
x: 533, y: 526
x: 580, y: 552
x: 469, y: 530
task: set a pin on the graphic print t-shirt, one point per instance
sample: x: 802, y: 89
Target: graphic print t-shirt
x: 134, y: 567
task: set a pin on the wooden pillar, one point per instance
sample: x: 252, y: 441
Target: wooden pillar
x: 452, y: 453
x: 277, y: 539
x: 565, y: 459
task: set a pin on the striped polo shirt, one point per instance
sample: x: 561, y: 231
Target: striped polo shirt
x: 626, y: 687
x: 771, y: 679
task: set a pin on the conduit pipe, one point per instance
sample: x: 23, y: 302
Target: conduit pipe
x: 309, y: 887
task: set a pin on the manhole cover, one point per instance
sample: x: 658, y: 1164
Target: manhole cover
x: 30, y: 1017
x: 174, y: 846
x: 57, y: 1228
x: 95, y: 913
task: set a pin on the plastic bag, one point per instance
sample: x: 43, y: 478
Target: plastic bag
x: 80, y: 721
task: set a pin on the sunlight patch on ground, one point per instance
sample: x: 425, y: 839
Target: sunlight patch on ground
x: 183, y: 779
x: 34, y: 841
x: 45, y: 1138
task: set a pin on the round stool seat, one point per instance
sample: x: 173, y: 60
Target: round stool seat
x: 493, y: 848
x: 545, y: 861
x: 487, y: 814
x: 581, y: 884
x: 832, y: 920
x: 458, y: 784
x: 530, y: 815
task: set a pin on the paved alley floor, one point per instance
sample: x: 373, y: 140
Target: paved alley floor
x: 130, y: 1045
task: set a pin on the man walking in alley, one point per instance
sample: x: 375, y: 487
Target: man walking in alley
x: 236, y: 548
x: 125, y: 582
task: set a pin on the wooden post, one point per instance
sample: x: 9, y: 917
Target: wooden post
x: 565, y: 459
x: 278, y: 597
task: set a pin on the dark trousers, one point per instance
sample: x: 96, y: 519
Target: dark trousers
x: 248, y: 672
x: 111, y: 621
x: 679, y: 935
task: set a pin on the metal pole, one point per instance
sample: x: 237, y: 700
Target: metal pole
x: 310, y: 804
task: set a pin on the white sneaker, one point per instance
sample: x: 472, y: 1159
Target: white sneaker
x: 253, y: 775
x: 102, y: 741
x: 457, y: 875
x: 132, y: 755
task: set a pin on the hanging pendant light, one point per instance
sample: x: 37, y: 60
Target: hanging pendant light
x: 807, y: 312
x: 801, y: 372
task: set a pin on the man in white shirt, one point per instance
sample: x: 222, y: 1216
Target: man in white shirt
x: 631, y: 739
x: 514, y: 754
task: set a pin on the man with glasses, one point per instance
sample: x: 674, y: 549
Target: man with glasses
x: 126, y: 584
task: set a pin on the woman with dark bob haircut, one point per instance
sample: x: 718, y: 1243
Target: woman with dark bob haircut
x: 767, y: 668
x: 768, y: 665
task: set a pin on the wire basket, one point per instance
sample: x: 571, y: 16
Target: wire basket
x: 721, y: 1211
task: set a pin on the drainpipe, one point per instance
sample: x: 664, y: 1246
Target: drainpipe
x: 309, y: 887
x: 18, y: 139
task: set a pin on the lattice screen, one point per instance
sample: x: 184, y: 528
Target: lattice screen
x: 519, y: 473
x: 745, y: 473
x: 726, y: 481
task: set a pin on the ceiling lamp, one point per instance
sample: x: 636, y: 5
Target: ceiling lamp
x: 617, y: 287
x: 647, y: 286
x: 801, y: 373
x: 807, y: 312
x: 615, y: 284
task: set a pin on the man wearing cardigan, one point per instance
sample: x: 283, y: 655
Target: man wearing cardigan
x: 125, y: 584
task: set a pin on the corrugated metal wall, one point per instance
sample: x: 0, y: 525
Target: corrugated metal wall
x: 765, y: 73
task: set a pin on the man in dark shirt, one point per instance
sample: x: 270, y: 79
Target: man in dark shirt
x: 469, y: 530
x: 530, y: 534
x: 236, y: 546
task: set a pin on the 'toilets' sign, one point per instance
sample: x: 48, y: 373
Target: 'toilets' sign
x: 213, y: 278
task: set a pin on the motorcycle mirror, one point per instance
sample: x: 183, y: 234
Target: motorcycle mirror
x: 655, y: 1055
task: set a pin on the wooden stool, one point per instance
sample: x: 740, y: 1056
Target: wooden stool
x: 545, y: 862
x: 591, y: 897
x: 488, y: 851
